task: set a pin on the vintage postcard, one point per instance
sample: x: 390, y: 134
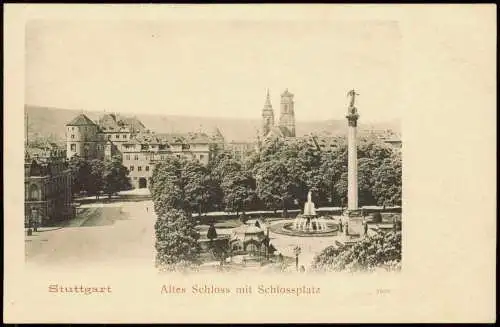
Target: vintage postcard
x: 249, y: 163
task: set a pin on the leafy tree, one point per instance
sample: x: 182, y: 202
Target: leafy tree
x: 333, y: 172
x: 212, y: 193
x: 114, y: 176
x: 387, y: 184
x: 239, y: 191
x: 80, y: 172
x: 176, y: 240
x: 197, y: 184
x: 223, y: 164
x: 166, y: 186
x: 365, y: 180
x: 383, y: 250
x: 96, y: 181
x: 275, y: 185
x: 371, y: 156
x: 184, y: 185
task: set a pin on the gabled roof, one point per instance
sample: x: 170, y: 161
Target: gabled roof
x: 133, y: 123
x: 108, y: 122
x: 197, y: 138
x: 80, y: 120
x: 216, y: 134
x: 172, y: 138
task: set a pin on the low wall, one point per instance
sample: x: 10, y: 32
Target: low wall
x: 221, y: 216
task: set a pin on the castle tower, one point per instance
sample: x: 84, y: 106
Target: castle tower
x: 267, y: 116
x: 81, y: 134
x: 287, y: 114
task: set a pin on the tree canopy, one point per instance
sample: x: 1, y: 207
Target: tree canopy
x: 176, y: 240
x: 95, y: 176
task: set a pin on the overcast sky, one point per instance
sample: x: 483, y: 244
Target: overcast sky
x: 215, y: 69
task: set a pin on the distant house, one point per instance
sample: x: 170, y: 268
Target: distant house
x: 394, y: 141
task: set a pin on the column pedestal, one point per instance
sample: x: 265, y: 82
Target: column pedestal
x: 354, y: 222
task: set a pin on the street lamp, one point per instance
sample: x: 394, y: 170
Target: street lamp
x: 297, y: 251
x: 267, y: 240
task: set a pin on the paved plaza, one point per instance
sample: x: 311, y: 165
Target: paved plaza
x: 121, y: 232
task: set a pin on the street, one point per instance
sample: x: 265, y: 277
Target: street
x: 116, y: 233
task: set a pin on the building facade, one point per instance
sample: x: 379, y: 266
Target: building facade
x: 144, y: 151
x: 47, y: 186
x: 139, y: 148
x: 240, y: 150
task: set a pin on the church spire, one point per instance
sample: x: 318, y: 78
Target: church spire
x: 267, y: 105
x: 267, y: 115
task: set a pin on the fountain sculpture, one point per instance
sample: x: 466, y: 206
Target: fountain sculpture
x: 309, y: 221
x: 307, y: 224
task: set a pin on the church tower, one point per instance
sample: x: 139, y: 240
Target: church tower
x: 267, y: 116
x: 287, y: 115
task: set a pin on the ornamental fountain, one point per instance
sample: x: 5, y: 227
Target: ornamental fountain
x: 307, y: 224
x: 309, y: 220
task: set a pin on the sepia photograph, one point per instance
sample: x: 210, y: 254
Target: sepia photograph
x: 275, y: 166
x: 266, y: 163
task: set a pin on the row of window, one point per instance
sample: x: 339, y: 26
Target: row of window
x: 136, y: 157
x: 73, y: 147
x: 146, y: 146
x: 162, y: 157
x: 139, y: 168
x: 117, y: 136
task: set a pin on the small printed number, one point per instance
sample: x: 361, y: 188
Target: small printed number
x: 383, y: 291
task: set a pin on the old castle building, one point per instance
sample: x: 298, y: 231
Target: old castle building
x: 47, y: 186
x: 139, y: 148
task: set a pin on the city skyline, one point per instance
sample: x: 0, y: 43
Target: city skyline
x: 169, y: 68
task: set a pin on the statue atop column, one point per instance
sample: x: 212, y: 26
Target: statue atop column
x: 352, y: 94
x: 352, y: 112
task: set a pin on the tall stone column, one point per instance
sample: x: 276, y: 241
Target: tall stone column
x: 352, y: 165
x: 354, y: 215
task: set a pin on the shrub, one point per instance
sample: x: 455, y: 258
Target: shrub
x: 382, y: 250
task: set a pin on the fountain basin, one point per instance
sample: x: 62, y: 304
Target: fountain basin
x: 288, y: 228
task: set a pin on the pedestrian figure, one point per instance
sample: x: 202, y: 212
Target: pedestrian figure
x: 302, y: 269
x: 346, y: 227
x: 366, y: 227
x: 147, y: 209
